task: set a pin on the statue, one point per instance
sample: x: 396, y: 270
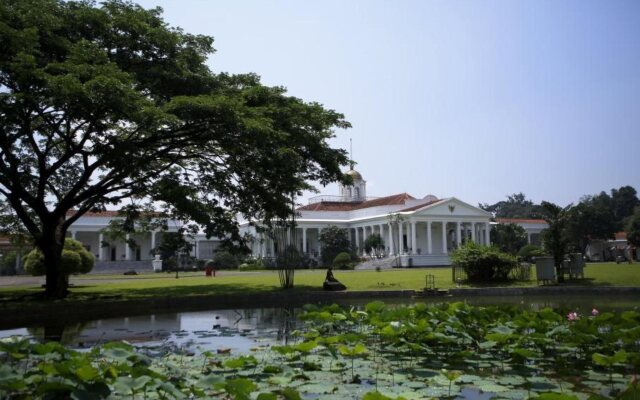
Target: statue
x: 331, y: 283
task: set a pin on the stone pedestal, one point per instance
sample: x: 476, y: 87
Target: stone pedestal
x: 157, y: 264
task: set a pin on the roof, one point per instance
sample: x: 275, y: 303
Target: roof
x: 107, y: 213
x: 520, y: 221
x: 419, y: 206
x: 354, y: 174
x: 621, y: 235
x: 104, y: 214
x: 396, y: 199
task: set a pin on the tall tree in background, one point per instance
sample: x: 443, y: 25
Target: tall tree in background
x: 516, y: 206
x: 553, y: 238
x: 633, y: 228
x: 102, y: 104
x: 591, y: 219
x: 623, y: 201
x: 334, y: 240
x: 509, y: 238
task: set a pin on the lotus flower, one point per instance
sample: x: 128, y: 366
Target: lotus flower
x: 573, y: 316
x: 595, y: 312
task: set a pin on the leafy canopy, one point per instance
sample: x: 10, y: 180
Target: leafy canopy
x: 104, y: 103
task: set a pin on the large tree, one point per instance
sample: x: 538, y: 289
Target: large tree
x: 591, y: 219
x: 509, y: 238
x: 516, y: 206
x: 633, y: 228
x: 334, y: 240
x: 99, y: 104
x: 554, y: 237
x: 623, y: 201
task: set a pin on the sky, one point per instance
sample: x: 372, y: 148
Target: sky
x: 472, y: 99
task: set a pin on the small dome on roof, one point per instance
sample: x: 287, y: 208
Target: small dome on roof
x: 430, y: 198
x: 355, y: 175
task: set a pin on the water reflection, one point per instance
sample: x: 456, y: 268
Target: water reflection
x: 242, y: 329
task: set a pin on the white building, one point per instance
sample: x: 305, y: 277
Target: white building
x: 88, y: 230
x: 422, y: 232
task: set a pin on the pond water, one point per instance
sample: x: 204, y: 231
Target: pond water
x: 240, y: 331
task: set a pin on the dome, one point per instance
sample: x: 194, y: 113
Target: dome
x: 430, y: 198
x: 355, y: 175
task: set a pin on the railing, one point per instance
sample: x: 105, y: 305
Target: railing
x: 339, y: 199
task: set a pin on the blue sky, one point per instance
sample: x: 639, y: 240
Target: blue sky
x: 472, y: 99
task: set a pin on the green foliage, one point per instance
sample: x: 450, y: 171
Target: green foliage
x: 374, y: 245
x: 592, y: 218
x: 633, y: 228
x: 516, y: 206
x: 75, y: 260
x: 483, y: 263
x: 173, y: 245
x: 105, y: 101
x: 334, y: 240
x: 509, y: 238
x: 529, y: 252
x: 342, y: 261
x: 554, y: 238
x: 223, y: 259
x: 510, y: 351
x: 8, y: 263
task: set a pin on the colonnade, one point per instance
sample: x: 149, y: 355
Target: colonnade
x: 451, y: 235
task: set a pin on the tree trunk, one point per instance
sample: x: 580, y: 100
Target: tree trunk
x: 51, y: 244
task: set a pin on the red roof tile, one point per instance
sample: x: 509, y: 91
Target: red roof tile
x: 340, y: 206
x: 107, y: 213
x: 621, y: 236
x: 520, y: 221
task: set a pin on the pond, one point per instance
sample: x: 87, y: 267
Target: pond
x: 393, y: 349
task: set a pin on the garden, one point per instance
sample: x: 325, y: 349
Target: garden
x: 377, y: 351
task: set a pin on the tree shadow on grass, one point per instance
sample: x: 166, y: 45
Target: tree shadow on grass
x: 80, y: 293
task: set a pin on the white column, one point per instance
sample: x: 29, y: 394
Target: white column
x: 414, y: 243
x: 444, y: 237
x: 529, y: 237
x: 319, y: 243
x: 127, y: 249
x: 391, y: 249
x: 458, y: 234
x: 304, y: 240
x: 429, y: 246
x: 487, y: 232
x: 73, y: 234
x: 357, y: 239
x: 272, y: 247
x: 473, y: 232
x: 400, y: 241
x: 153, y: 240
x: 100, y: 248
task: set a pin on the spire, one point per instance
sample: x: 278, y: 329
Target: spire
x: 350, y: 153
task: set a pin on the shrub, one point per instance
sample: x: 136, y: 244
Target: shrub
x: 75, y: 259
x: 8, y: 263
x: 222, y: 259
x: 252, y: 265
x: 528, y: 252
x: 483, y: 263
x: 342, y: 261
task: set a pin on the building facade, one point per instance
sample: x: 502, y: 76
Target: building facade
x: 420, y: 231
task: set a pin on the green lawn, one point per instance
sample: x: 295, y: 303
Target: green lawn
x: 157, y: 285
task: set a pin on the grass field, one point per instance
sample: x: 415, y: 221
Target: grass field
x: 232, y: 282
